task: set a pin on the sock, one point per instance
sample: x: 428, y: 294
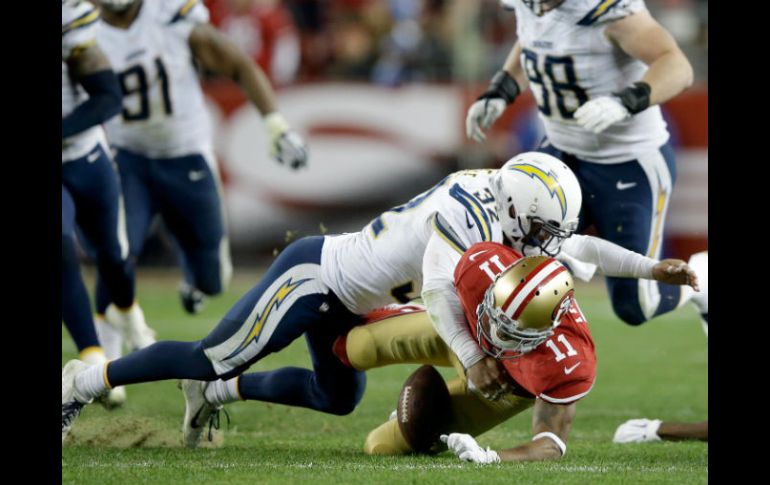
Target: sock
x: 223, y: 392
x: 91, y: 383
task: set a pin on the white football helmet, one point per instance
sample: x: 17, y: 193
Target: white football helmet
x: 523, y: 306
x: 538, y: 202
x: 540, y: 7
x: 116, y: 6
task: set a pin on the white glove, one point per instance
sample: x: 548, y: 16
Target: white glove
x: 637, y: 431
x: 481, y: 115
x: 286, y: 146
x: 599, y: 113
x: 466, y: 448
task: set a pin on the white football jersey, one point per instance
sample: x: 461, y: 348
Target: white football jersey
x: 79, y: 24
x: 164, y: 114
x: 383, y: 263
x: 569, y: 60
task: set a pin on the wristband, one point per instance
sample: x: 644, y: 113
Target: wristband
x: 503, y: 86
x: 636, y: 97
x: 547, y: 434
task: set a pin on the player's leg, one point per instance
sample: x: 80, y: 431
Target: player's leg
x: 629, y: 202
x: 103, y: 222
x: 193, y: 210
x: 76, y: 307
x: 471, y: 414
x: 407, y: 338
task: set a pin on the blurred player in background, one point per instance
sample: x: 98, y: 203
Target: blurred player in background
x: 263, y: 29
x: 91, y: 195
x: 646, y: 430
x: 599, y: 69
x: 321, y: 286
x: 163, y: 138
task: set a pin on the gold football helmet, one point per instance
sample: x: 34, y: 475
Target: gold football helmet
x: 523, y: 306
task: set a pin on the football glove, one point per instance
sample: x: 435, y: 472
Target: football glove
x: 637, y: 431
x: 501, y: 92
x: 599, y: 113
x: 286, y: 146
x: 466, y: 448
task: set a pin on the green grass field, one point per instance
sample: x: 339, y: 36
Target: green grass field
x: 658, y: 370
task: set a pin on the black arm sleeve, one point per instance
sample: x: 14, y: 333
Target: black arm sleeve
x: 104, y: 102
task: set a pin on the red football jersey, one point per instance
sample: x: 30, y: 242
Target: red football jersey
x: 563, y: 368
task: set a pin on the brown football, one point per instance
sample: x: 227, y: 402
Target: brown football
x: 424, y: 409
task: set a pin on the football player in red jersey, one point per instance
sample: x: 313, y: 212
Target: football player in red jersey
x: 523, y: 313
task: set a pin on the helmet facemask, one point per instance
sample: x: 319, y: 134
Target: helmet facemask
x: 546, y: 237
x: 500, y: 336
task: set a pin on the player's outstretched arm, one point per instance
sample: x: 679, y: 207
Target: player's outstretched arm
x: 551, y: 424
x: 91, y: 69
x: 217, y: 54
x: 646, y: 430
x: 614, y: 260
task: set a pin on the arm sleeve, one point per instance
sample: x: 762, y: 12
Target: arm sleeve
x: 610, y: 258
x: 104, y: 102
x: 442, y: 302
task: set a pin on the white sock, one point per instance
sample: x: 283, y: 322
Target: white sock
x: 222, y: 392
x: 90, y: 383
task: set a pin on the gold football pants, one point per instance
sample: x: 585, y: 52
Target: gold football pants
x: 411, y: 339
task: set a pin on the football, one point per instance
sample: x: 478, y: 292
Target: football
x: 424, y: 409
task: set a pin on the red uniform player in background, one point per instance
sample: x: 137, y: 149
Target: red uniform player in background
x: 265, y: 30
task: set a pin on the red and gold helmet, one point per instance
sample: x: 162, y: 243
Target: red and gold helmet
x: 523, y: 306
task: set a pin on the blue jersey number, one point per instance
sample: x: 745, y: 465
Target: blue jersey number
x: 134, y: 81
x: 560, y: 71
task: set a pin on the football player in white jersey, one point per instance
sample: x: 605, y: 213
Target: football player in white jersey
x: 321, y: 286
x: 90, y: 190
x: 599, y: 69
x: 163, y: 138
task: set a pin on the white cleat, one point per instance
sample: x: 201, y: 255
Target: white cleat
x: 111, y: 339
x: 699, y: 262
x: 71, y: 403
x: 136, y: 334
x: 197, y: 412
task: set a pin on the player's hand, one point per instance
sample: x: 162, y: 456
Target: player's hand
x: 481, y: 115
x: 486, y: 378
x: 675, y: 272
x: 599, y: 113
x: 286, y: 146
x: 466, y: 448
x: 637, y: 431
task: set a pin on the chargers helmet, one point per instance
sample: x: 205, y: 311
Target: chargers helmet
x: 538, y: 201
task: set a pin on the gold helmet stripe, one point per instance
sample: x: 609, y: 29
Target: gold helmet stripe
x: 524, y: 293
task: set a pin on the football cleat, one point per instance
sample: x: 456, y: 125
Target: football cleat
x: 71, y: 403
x: 699, y: 262
x: 197, y: 412
x: 136, y: 334
x: 193, y: 300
